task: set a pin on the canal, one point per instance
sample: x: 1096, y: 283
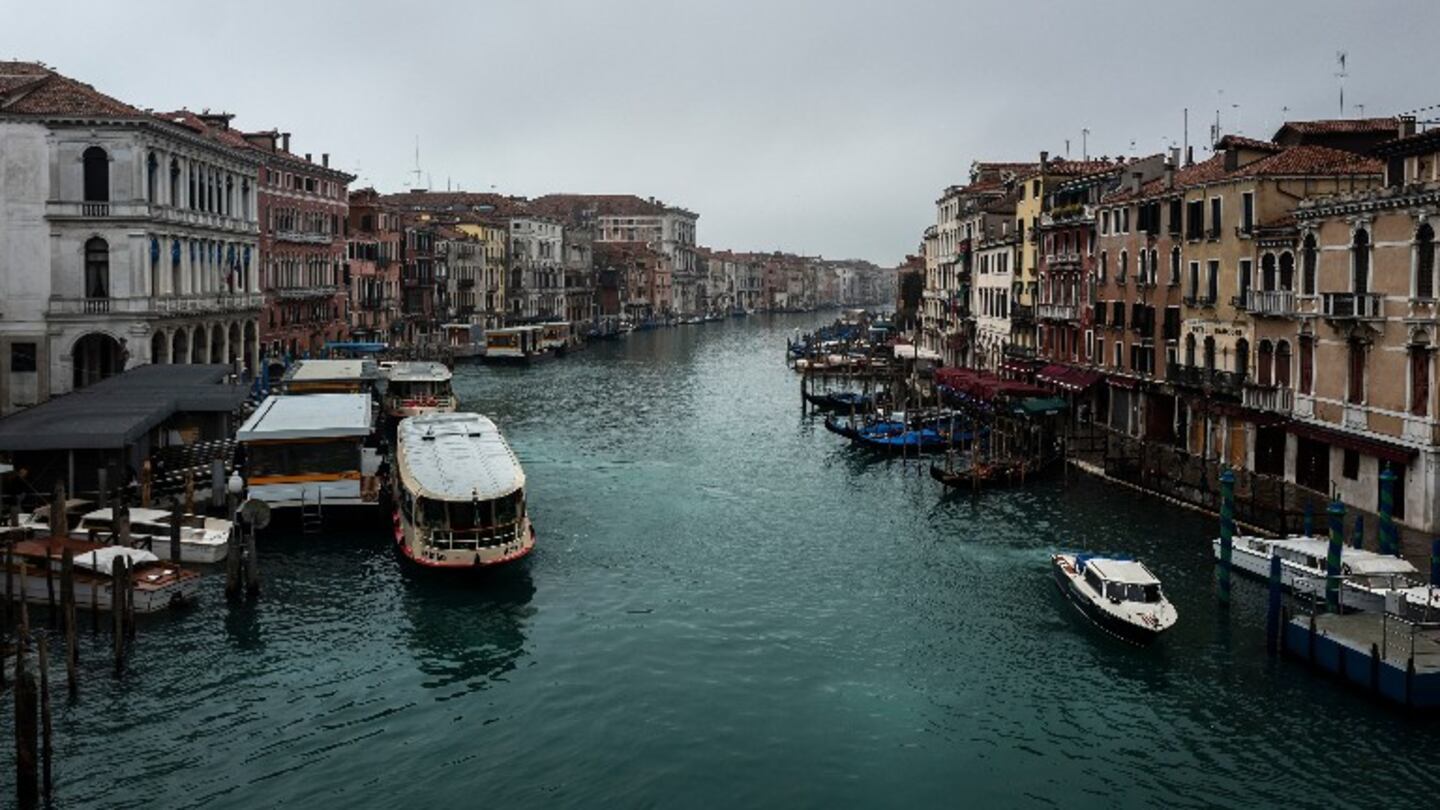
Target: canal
x: 726, y: 606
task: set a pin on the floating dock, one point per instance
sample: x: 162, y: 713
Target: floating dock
x: 1389, y: 657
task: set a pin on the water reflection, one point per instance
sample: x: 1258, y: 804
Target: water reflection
x: 467, y: 630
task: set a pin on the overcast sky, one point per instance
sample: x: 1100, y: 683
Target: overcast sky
x: 816, y: 127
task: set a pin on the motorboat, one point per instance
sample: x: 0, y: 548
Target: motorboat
x: 1366, y: 575
x: 155, y: 584
x: 203, y: 539
x: 312, y: 451
x: 1120, y: 596
x: 416, y: 387
x: 459, y: 493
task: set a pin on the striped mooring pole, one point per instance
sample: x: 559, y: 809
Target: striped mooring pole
x: 1358, y: 540
x: 1389, y: 539
x: 1435, y: 563
x: 1227, y: 531
x: 1332, y: 559
x: 1272, y: 610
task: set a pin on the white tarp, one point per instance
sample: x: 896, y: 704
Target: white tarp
x: 102, y: 560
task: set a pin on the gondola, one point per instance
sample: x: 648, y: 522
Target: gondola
x: 987, y: 474
x: 841, y: 401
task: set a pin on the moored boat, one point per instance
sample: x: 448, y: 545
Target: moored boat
x: 202, y: 539
x: 156, y: 585
x: 459, y: 493
x: 312, y: 451
x: 515, y: 344
x: 419, y: 387
x: 842, y: 401
x: 985, y: 474
x: 1367, y: 577
x: 1118, y: 595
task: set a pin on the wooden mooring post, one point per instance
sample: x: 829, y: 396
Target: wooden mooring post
x: 67, y: 600
x: 46, y: 727
x: 232, y: 563
x: 252, y: 562
x: 27, y: 777
x: 117, y: 610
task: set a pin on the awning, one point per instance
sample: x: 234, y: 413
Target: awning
x: 1385, y: 451
x: 1117, y: 381
x: 1017, y: 367
x: 1068, y: 378
x: 1035, y: 406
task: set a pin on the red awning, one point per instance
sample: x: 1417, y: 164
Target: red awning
x: 1128, y: 383
x: 1385, y: 451
x: 955, y: 377
x: 1068, y: 378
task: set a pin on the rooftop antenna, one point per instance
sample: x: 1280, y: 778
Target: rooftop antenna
x: 1340, y: 57
x: 417, y: 161
x: 1067, y: 148
x: 1361, y: 108
x: 1085, y: 143
x: 1186, y: 128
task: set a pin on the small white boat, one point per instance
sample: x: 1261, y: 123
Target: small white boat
x: 202, y: 539
x: 1120, y: 596
x: 1368, y: 576
x: 416, y: 387
x: 459, y: 493
x: 156, y: 585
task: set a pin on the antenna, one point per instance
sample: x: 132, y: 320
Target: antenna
x: 1340, y: 57
x: 1085, y: 143
x: 417, y: 161
x: 1067, y: 148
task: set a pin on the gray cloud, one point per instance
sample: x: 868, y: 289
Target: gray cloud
x: 819, y: 127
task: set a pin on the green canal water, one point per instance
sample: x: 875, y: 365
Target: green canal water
x: 726, y: 607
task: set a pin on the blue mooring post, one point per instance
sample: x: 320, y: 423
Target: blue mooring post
x: 1227, y: 531
x: 1308, y: 529
x: 1358, y: 541
x: 1332, y: 559
x: 1272, y: 611
x: 1435, y: 562
x: 1389, y: 539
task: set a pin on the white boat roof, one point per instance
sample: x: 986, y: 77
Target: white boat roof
x: 912, y: 352
x: 325, y: 370
x: 139, y: 514
x: 513, y: 330
x: 312, y: 416
x: 418, y: 371
x: 103, y: 559
x: 1360, y: 560
x: 456, y: 457
x: 1377, y: 564
x: 1130, y: 572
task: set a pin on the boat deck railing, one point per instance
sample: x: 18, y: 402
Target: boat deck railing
x: 453, y: 539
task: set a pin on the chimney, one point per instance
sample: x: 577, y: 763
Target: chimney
x: 1189, y: 156
x: 285, y: 141
x: 1044, y: 158
x: 1135, y: 182
x: 1169, y: 174
x: 307, y: 157
x: 325, y: 159
x: 1407, y: 126
x: 1174, y: 156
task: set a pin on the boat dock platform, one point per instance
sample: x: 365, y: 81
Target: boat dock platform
x: 1380, y: 653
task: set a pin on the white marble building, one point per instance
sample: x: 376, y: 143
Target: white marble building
x: 128, y: 239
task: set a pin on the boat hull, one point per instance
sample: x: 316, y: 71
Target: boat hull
x: 1300, y: 580
x: 1098, y: 616
x: 413, y: 549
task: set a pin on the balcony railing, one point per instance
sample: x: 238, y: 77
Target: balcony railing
x: 1057, y: 312
x: 298, y: 293
x: 1199, y: 301
x: 304, y: 237
x: 1022, y: 314
x: 1269, y: 398
x: 1212, y: 379
x: 1353, y: 306
x: 212, y: 302
x: 1278, y: 303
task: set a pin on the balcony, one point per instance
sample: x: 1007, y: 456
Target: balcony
x: 301, y: 293
x: 1272, y: 303
x: 1204, y: 301
x: 1056, y: 312
x: 1022, y: 314
x: 1209, y: 379
x: 303, y: 237
x: 1074, y: 212
x: 1352, y: 306
x: 1019, y: 352
x: 1268, y: 398
x: 158, y: 305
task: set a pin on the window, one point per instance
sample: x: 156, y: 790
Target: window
x: 1035, y: 188
x: 1307, y: 363
x: 1175, y: 267
x: 1307, y: 265
x: 1399, y: 491
x: 96, y: 168
x: 1209, y: 353
x: 1125, y: 219
x: 1267, y: 272
x: 1360, y: 262
x: 1282, y: 364
x: 22, y: 357
x: 152, y: 172
x: 1105, y: 222
x: 1142, y: 268
x: 1350, y: 464
x: 1154, y: 267
x: 1214, y: 218
x: 1243, y: 278
x: 1176, y: 208
x: 1124, y: 267
x: 1104, y: 265
x: 1355, y: 393
x: 1247, y: 212
x: 1190, y: 349
x: 1287, y: 271
x: 1194, y: 280
x: 1425, y: 262
x: 97, y: 268
x: 1262, y: 363
x: 1242, y: 358
x: 1419, y: 381
x: 1212, y: 281
x: 1194, y: 219
x: 1119, y: 354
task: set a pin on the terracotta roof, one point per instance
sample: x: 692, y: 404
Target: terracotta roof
x: 1242, y: 142
x: 1334, y: 126
x: 573, y: 207
x: 1419, y: 143
x: 196, y: 124
x: 1290, y: 161
x: 458, y: 201
x: 28, y: 88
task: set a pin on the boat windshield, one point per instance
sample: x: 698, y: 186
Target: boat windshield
x: 293, y: 458
x: 470, y: 515
x: 1382, y: 581
x: 1132, y: 592
x: 419, y: 388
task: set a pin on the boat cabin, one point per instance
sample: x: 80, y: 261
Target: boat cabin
x: 330, y: 377
x: 513, y: 343
x: 1120, y: 580
x: 463, y: 339
x: 555, y: 336
x: 414, y: 388
x: 311, y: 449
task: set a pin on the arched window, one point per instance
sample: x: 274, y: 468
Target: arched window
x: 1242, y: 358
x: 1355, y: 394
x: 1209, y: 353
x: 1307, y: 265
x: 152, y: 177
x: 1419, y: 374
x: 1124, y: 267
x: 1307, y: 363
x: 1154, y: 266
x: 1267, y: 272
x: 1141, y: 268
x: 1175, y: 266
x: 1190, y: 350
x: 1262, y: 363
x: 1282, y: 364
x: 174, y: 183
x: 229, y: 195
x: 1425, y: 262
x: 1104, y: 265
x: 97, y: 268
x: 1287, y: 271
x: 245, y: 199
x: 97, y: 174
x: 1360, y: 261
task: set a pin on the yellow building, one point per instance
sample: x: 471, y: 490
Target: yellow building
x: 495, y: 237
